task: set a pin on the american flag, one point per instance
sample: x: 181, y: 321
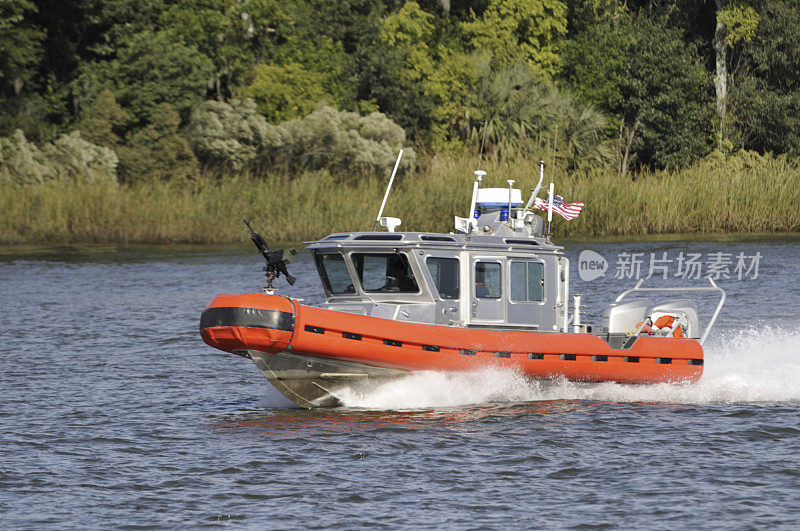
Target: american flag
x: 565, y: 210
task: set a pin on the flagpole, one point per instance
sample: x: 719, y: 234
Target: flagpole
x: 538, y: 187
x: 549, y: 211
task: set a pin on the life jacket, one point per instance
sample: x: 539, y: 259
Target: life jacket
x: 665, y: 321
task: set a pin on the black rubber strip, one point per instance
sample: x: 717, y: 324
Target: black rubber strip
x: 251, y: 317
x: 695, y: 362
x: 392, y: 342
x: 535, y: 356
x: 568, y: 357
x: 430, y: 348
x: 600, y: 357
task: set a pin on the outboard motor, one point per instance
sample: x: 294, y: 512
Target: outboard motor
x: 622, y: 316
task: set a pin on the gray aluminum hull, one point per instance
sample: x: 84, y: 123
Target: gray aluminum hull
x: 310, y: 381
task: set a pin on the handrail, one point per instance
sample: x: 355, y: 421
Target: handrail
x: 713, y: 287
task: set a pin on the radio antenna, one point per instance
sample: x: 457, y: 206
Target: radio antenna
x: 483, y: 142
x: 553, y: 158
x: 388, y: 188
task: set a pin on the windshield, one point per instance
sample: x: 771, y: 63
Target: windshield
x: 385, y: 273
x: 333, y: 271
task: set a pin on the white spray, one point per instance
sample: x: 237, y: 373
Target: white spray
x: 752, y: 366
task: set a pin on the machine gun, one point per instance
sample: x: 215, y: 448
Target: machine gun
x: 276, y: 261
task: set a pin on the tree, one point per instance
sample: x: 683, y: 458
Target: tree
x: 230, y: 134
x: 665, y: 109
x: 340, y: 141
x: 79, y: 33
x: 234, y: 34
x: 405, y: 78
x: 515, y: 113
x: 643, y: 72
x: 283, y: 92
x: 158, y: 151
x: 102, y: 120
x: 595, y: 57
x: 765, y: 98
x: 20, y: 45
x: 151, y: 69
x: 736, y: 23
x: 521, y: 30
x: 70, y: 157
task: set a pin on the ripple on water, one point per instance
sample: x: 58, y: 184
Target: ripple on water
x: 114, y: 413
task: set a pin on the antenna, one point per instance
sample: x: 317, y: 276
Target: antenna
x: 549, y: 211
x: 553, y: 156
x: 483, y: 142
x: 386, y: 195
x: 538, y: 186
x: 510, y: 191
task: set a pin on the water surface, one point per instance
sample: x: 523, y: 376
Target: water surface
x: 114, y: 413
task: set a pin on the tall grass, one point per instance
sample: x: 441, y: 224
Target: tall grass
x: 755, y: 194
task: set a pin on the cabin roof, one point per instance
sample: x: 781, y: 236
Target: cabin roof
x: 432, y: 240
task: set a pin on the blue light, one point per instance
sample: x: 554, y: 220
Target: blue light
x: 476, y: 214
x: 504, y: 214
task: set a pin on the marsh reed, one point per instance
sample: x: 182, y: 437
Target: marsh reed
x: 744, y: 193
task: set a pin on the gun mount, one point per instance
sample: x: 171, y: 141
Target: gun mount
x: 276, y: 260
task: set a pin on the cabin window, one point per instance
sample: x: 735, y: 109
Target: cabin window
x: 487, y: 280
x: 527, y: 281
x: 385, y: 273
x: 445, y: 276
x: 335, y: 276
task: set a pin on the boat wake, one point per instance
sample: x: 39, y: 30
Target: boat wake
x: 751, y: 366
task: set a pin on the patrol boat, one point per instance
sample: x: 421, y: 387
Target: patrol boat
x: 492, y: 293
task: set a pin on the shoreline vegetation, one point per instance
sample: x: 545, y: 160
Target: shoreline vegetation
x: 172, y: 122
x: 741, y: 193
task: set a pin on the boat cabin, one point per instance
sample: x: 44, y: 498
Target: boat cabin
x: 498, y: 270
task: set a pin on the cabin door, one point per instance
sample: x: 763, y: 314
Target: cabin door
x: 486, y: 290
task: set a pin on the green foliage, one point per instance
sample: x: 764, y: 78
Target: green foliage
x: 740, y: 22
x: 765, y: 98
x: 521, y: 30
x: 22, y: 162
x: 594, y: 62
x: 229, y: 134
x: 341, y: 141
x: 69, y: 158
x: 666, y: 97
x: 28, y: 112
x: 634, y: 70
x: 584, y: 141
x: 287, y: 91
x: 643, y: 73
x: 411, y: 31
x: 20, y: 44
x: 407, y: 85
x: 158, y: 151
x: 234, y: 34
x: 102, y: 119
x: 520, y: 115
x: 151, y: 69
x: 79, y: 160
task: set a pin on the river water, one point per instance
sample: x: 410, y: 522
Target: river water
x: 114, y: 413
